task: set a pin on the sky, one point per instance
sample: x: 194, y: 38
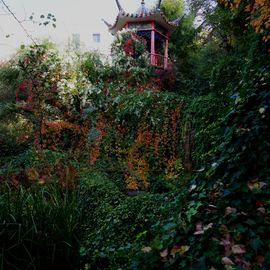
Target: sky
x: 81, y: 17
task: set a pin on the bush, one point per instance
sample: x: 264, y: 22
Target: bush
x: 99, y: 196
x: 124, y: 230
x: 39, y: 228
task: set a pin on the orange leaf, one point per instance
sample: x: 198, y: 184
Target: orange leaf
x: 32, y: 174
x: 181, y: 250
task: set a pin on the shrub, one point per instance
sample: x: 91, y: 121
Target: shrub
x: 39, y: 228
x: 124, y: 230
x: 99, y: 196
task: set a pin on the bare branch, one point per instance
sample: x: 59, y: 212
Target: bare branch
x: 19, y: 22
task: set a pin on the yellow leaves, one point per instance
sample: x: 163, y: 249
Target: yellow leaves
x: 258, y: 14
x: 237, y: 3
x: 260, y: 2
x: 259, y: 17
x: 262, y: 110
x: 226, y: 4
x: 138, y: 168
x: 174, y: 168
x: 170, y: 168
x: 266, y: 38
x: 131, y: 183
x: 255, y: 184
x: 180, y: 250
x: 32, y: 174
x: 248, y: 8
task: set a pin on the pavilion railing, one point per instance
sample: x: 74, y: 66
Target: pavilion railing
x: 158, y: 60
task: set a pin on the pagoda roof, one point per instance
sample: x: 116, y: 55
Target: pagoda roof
x: 142, y: 15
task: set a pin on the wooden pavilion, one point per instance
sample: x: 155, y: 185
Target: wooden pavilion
x: 152, y: 25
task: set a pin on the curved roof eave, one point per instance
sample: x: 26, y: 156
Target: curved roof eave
x: 123, y: 18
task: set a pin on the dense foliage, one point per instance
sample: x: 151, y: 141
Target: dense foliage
x: 123, y: 166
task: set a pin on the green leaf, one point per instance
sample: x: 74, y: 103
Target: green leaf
x: 250, y: 222
x: 256, y: 244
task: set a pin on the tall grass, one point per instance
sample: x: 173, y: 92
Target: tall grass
x: 39, y: 228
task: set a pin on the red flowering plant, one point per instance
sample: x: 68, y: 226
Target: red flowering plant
x: 129, y: 42
x: 24, y: 94
x: 130, y: 57
x: 134, y: 45
x: 37, y: 91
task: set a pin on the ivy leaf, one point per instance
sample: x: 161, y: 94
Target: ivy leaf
x: 93, y: 134
x: 230, y: 210
x: 261, y: 110
x: 164, y: 253
x: 227, y: 261
x: 255, y: 244
x: 238, y: 249
x: 146, y: 249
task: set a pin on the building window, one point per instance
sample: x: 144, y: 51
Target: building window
x: 96, y: 38
x: 76, y: 40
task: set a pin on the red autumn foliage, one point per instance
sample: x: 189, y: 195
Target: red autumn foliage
x: 24, y: 94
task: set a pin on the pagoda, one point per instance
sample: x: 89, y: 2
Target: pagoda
x: 152, y: 25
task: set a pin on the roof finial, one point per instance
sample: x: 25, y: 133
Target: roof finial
x: 108, y: 24
x: 119, y: 5
x: 178, y: 20
x: 159, y: 4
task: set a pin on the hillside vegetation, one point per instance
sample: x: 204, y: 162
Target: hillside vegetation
x: 120, y: 165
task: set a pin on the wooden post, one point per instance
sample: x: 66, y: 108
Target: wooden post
x: 166, y: 51
x: 153, y: 49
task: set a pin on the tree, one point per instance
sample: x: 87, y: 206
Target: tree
x: 255, y: 14
x: 173, y: 8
